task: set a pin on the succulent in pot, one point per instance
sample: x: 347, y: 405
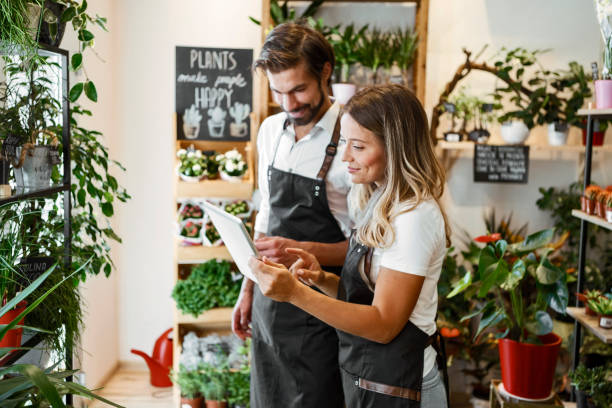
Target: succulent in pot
x: 603, y: 307
x: 587, y: 296
x: 588, y: 200
x: 600, y: 203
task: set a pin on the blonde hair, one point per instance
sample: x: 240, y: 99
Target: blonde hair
x: 412, y: 174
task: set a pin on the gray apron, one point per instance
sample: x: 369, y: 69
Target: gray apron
x: 294, y: 355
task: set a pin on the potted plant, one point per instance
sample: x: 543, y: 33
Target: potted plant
x: 239, y: 208
x: 587, y: 296
x: 209, y: 285
x: 593, y: 386
x: 372, y: 49
x: 589, y: 199
x: 192, y: 167
x: 190, y: 211
x: 346, y: 46
x: 405, y: 47
x: 527, y: 347
x: 238, y: 387
x: 190, y: 232
x: 603, y: 307
x: 600, y: 203
x: 232, y: 166
x: 215, y: 385
x: 211, y: 236
x: 190, y: 384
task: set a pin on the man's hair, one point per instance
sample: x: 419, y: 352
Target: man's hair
x: 289, y: 44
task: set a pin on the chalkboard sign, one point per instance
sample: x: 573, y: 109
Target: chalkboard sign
x: 10, y: 145
x: 32, y: 267
x: 501, y: 164
x: 214, y: 93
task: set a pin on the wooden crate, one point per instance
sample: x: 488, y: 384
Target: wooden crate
x: 496, y: 400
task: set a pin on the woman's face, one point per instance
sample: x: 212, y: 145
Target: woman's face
x: 364, y: 153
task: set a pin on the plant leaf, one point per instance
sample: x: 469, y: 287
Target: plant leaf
x: 68, y: 14
x: 90, y: 91
x: 461, y: 285
x: 76, y: 91
x: 542, y: 324
x: 107, y: 209
x: 547, y: 273
x: 533, y: 241
x: 77, y: 61
x: 40, y: 380
x: 514, y: 277
x: 490, y: 318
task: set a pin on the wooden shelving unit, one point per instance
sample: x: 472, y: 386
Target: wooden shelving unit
x: 592, y: 219
x: 198, y: 253
x: 469, y: 146
x: 591, y: 323
x: 214, y: 317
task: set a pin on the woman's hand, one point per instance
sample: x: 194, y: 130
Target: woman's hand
x: 275, y: 280
x: 307, y: 268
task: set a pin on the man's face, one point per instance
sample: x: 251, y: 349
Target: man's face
x: 298, y: 93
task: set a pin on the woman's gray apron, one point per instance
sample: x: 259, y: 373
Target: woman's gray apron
x: 374, y: 374
x: 295, y: 355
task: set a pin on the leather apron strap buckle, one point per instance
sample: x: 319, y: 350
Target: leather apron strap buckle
x: 392, y: 390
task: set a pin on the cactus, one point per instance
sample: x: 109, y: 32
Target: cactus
x: 192, y: 116
x: 217, y: 114
x: 240, y: 111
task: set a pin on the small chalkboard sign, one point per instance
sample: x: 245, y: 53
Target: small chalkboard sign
x: 32, y: 267
x: 214, y: 93
x: 501, y: 164
x: 10, y: 145
x: 54, y: 156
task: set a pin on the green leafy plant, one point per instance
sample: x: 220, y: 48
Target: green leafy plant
x: 405, y: 44
x: 216, y: 380
x: 374, y: 49
x: 346, y: 47
x: 238, y: 387
x: 509, y: 273
x: 595, y: 383
x: 282, y: 13
x: 189, y: 381
x: 601, y: 305
x: 209, y: 285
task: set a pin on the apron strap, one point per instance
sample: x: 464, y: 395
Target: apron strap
x: 330, y: 150
x: 437, y: 341
x: 400, y: 392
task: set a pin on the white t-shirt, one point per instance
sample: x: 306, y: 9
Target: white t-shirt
x: 305, y: 158
x: 419, y: 249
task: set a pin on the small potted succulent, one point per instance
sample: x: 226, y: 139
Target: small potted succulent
x: 192, y: 166
x: 587, y: 296
x: 609, y: 207
x: 600, y: 203
x: 588, y: 200
x: 190, y: 232
x: 239, y: 112
x: 191, y: 122
x: 211, y: 236
x: 593, y: 388
x: 603, y: 307
x: 190, y: 384
x: 190, y: 211
x: 232, y: 166
x: 239, y: 208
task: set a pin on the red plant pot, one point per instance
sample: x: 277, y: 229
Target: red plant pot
x: 587, y: 205
x: 192, y: 402
x: 600, y: 209
x: 216, y: 404
x: 13, y: 337
x: 598, y: 138
x: 528, y: 370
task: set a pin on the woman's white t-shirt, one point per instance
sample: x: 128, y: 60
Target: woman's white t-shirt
x: 419, y: 248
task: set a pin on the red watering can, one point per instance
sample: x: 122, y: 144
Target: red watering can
x: 161, y: 361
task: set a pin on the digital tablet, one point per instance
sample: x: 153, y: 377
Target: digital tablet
x: 235, y: 237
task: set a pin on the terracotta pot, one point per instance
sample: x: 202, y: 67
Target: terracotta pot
x: 192, y: 402
x: 598, y: 138
x: 13, y: 337
x: 600, y: 209
x: 216, y: 404
x: 587, y: 205
x: 528, y: 370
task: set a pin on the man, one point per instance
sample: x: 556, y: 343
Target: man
x: 304, y: 186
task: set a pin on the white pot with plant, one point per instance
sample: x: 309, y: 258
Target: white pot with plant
x: 240, y: 111
x: 216, y: 123
x: 232, y: 167
x: 191, y: 122
x: 557, y: 133
x: 514, y: 132
x: 345, y: 46
x: 191, y: 166
x: 603, y: 87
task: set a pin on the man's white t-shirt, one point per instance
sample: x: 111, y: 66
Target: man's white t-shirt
x: 419, y: 249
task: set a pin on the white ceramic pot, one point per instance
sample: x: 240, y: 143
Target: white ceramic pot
x: 514, y: 132
x: 557, y: 135
x: 343, y: 92
x: 231, y: 179
x: 609, y: 214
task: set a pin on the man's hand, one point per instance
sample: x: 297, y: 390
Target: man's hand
x: 241, y: 316
x: 273, y: 248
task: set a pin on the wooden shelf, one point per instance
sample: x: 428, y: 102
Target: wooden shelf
x: 469, y: 146
x: 605, y: 113
x: 591, y: 323
x: 219, y: 317
x: 215, y: 188
x: 592, y: 219
x: 200, y: 253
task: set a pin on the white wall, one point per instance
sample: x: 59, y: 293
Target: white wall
x: 139, y: 80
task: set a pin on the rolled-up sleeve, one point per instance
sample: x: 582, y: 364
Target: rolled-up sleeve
x: 261, y: 221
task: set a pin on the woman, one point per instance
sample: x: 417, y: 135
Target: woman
x: 384, y: 304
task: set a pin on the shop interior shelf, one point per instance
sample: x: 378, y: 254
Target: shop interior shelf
x: 19, y: 196
x: 592, y: 323
x: 30, y: 343
x: 221, y: 316
x: 201, y: 253
x: 592, y: 219
x: 599, y: 113
x: 469, y: 146
x: 216, y: 188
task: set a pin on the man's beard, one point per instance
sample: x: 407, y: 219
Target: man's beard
x: 311, y: 112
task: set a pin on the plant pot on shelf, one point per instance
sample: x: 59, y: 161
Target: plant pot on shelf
x: 583, y: 400
x: 514, y: 132
x: 598, y: 137
x: 231, y: 179
x: 528, y: 370
x: 557, y: 133
x: 587, y: 205
x: 605, y: 322
x: 609, y: 214
x: 216, y: 404
x: 34, y: 169
x: 343, y: 92
x: 603, y: 93
x: 587, y: 310
x: 13, y: 337
x: 192, y: 402
x: 600, y: 209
